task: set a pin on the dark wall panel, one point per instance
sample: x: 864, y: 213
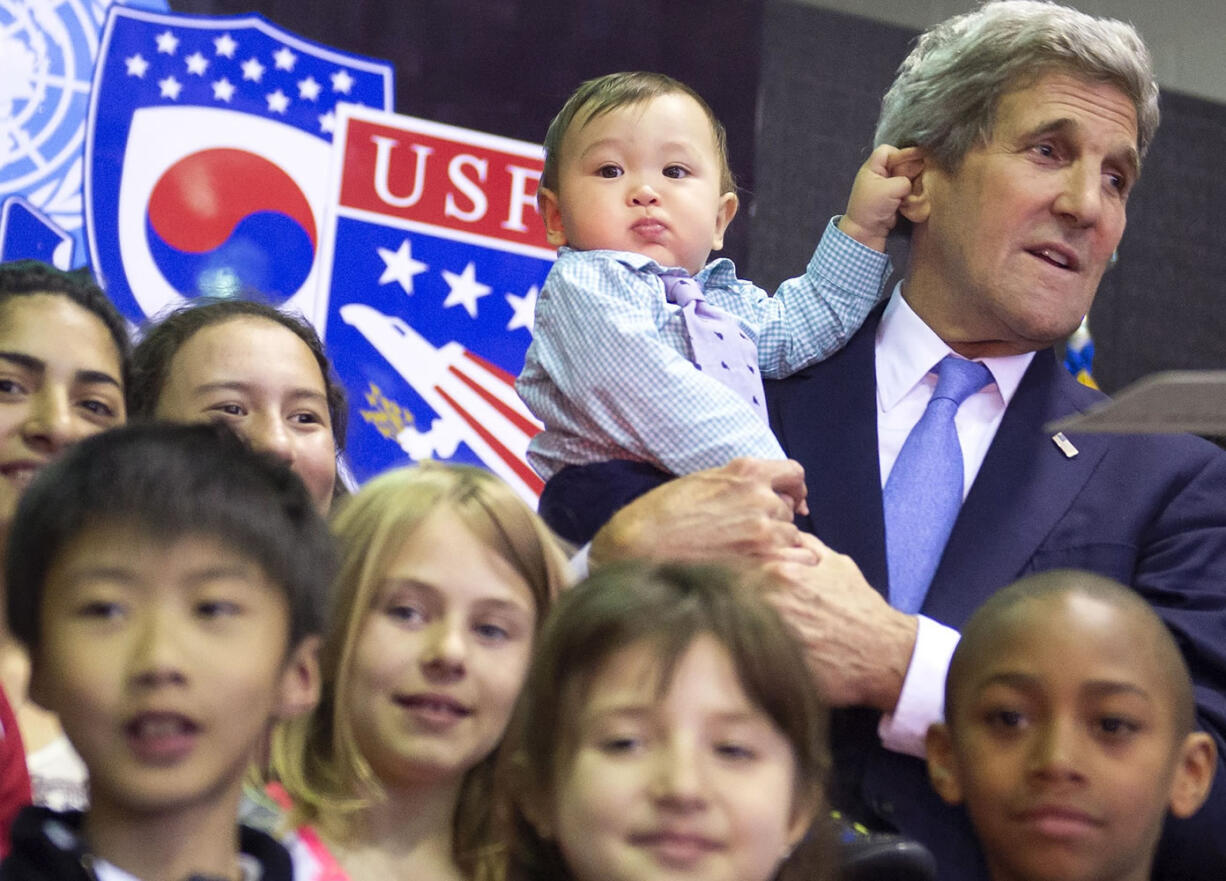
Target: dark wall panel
x: 1163, y: 307
x: 822, y: 78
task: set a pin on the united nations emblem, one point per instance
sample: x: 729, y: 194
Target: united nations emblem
x: 47, y: 51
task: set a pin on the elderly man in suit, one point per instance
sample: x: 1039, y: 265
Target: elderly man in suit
x: 928, y: 464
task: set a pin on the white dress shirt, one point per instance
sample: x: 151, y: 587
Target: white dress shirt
x: 907, y: 353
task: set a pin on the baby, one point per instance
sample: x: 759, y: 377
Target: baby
x: 647, y: 361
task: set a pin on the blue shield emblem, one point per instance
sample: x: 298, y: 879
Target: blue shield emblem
x: 208, y: 149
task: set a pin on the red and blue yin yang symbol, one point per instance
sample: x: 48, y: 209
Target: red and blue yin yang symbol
x: 222, y: 219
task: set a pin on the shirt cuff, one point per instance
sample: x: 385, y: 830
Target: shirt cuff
x: 922, y: 700
x: 839, y: 256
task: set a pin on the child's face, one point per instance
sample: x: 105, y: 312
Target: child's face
x: 1063, y: 744
x: 166, y: 663
x: 695, y: 784
x: 262, y: 380
x: 51, y: 395
x: 441, y: 656
x: 643, y: 178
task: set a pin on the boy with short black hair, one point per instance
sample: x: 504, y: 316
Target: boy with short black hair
x: 169, y: 584
x: 1069, y: 731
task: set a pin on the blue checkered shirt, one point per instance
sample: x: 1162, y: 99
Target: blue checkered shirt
x: 609, y: 373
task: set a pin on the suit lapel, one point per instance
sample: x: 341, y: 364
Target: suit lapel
x: 826, y: 418
x: 1024, y: 487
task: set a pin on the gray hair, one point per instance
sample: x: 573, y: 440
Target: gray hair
x: 945, y: 96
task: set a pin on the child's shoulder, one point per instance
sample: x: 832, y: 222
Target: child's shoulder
x: 611, y: 276
x: 47, y: 845
x: 269, y: 809
x: 263, y: 857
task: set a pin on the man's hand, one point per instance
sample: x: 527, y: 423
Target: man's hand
x: 857, y: 646
x: 742, y: 510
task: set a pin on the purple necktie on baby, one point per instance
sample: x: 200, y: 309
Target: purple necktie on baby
x: 721, y: 349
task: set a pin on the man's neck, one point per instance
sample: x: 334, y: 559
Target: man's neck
x: 925, y: 296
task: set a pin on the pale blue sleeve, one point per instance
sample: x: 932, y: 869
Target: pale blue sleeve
x: 811, y: 317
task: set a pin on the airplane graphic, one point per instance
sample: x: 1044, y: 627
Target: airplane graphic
x: 474, y: 399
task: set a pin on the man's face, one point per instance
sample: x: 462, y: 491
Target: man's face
x: 1009, y: 249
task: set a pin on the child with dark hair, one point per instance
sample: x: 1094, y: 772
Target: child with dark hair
x: 262, y: 371
x: 51, y: 396
x: 668, y: 724
x: 168, y: 583
x: 1069, y: 731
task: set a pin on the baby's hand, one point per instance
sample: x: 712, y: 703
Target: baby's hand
x: 881, y: 184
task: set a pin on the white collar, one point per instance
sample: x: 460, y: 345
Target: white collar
x: 908, y: 350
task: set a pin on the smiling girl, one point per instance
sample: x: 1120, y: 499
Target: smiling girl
x: 444, y: 577
x: 51, y: 396
x: 668, y: 729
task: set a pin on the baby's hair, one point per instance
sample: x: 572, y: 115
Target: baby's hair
x: 601, y: 95
x: 666, y: 606
x: 165, y: 334
x: 983, y: 630
x: 170, y: 482
x: 317, y: 757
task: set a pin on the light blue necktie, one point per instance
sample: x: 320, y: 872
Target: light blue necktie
x: 924, y: 490
x: 720, y: 347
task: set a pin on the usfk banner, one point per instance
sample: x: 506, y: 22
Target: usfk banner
x: 433, y: 262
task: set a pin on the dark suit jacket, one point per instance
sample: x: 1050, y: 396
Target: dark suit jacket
x: 1149, y: 511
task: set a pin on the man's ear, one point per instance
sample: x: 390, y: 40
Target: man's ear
x: 728, y: 204
x: 547, y: 202
x: 1193, y: 774
x: 300, y: 680
x: 941, y: 767
x: 917, y: 206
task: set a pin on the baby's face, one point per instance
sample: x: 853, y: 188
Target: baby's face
x: 1063, y: 743
x: 643, y: 178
